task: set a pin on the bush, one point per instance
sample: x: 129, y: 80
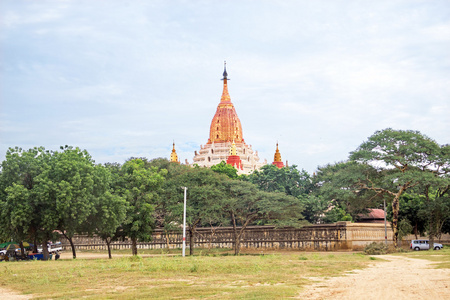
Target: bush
x: 376, y: 249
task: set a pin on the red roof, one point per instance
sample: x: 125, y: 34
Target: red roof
x: 374, y: 213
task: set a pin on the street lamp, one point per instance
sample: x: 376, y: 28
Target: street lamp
x: 184, y: 222
x: 385, y: 227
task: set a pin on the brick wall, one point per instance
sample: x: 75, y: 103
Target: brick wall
x: 326, y: 237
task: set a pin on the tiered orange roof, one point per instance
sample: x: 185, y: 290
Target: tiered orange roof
x: 174, y: 155
x: 277, y: 159
x: 225, y: 126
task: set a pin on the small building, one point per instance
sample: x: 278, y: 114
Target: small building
x: 374, y: 215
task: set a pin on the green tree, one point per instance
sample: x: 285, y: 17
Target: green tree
x: 436, y: 210
x: 339, y: 184
x: 77, y: 188
x: 404, y: 159
x: 23, y: 210
x: 336, y: 214
x: 111, y: 212
x: 203, y: 197
x: 140, y: 184
x: 287, y: 180
x: 224, y: 168
x: 245, y: 204
x: 411, y: 209
x: 315, y: 208
x: 110, y: 208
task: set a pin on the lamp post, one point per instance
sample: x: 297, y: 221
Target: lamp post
x: 184, y: 222
x: 385, y: 227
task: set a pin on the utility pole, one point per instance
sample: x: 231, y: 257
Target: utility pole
x: 385, y: 227
x: 184, y: 222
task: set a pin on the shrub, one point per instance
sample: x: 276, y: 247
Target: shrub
x: 376, y: 249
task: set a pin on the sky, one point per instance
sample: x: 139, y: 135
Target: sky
x: 126, y: 79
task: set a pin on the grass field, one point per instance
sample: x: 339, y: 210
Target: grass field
x: 214, y: 275
x: 440, y: 257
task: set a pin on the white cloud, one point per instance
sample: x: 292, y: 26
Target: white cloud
x: 124, y: 79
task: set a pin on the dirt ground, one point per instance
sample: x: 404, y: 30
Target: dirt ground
x: 394, y: 278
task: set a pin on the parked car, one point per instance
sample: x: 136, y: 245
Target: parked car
x: 424, y: 245
x: 52, y: 248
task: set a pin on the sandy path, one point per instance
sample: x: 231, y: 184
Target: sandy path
x: 10, y: 295
x: 397, y: 278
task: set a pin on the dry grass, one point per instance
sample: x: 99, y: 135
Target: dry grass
x: 174, y: 277
x: 209, y: 275
x: 440, y: 257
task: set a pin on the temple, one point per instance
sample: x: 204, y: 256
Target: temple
x: 277, y: 159
x: 234, y: 159
x: 226, y: 139
x: 174, y: 155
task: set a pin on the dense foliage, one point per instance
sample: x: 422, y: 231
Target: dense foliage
x: 43, y: 192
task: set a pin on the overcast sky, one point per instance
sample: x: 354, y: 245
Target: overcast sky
x: 126, y: 78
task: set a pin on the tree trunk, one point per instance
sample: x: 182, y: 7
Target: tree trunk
x: 212, y: 235
x: 395, y: 210
x: 22, y: 250
x: 134, y: 246
x: 45, y: 249
x: 74, y: 252
x: 108, y: 244
x: 236, y: 235
x: 237, y: 244
x: 35, y: 246
x: 431, y: 229
x: 167, y: 241
x: 191, y: 239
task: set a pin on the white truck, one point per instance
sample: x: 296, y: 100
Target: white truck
x: 52, y: 248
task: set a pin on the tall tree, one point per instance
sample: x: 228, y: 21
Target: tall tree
x: 22, y: 205
x: 165, y: 214
x: 140, y: 184
x: 245, y: 204
x: 404, y: 158
x: 411, y: 208
x: 110, y: 214
x: 77, y: 189
x: 203, y: 197
x: 338, y: 185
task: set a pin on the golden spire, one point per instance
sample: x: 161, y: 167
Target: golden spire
x: 277, y: 156
x: 225, y: 126
x: 225, y: 100
x: 233, y: 150
x: 173, y: 155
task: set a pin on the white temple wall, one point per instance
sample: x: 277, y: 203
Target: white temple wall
x: 213, y: 154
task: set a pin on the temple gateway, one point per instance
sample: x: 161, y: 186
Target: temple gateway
x: 226, y: 140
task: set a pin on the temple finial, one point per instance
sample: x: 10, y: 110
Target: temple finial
x: 277, y: 158
x: 225, y: 74
x: 174, y: 155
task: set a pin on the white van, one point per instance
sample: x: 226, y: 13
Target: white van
x: 424, y: 245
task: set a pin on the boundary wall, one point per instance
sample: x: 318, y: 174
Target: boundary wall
x: 339, y: 236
